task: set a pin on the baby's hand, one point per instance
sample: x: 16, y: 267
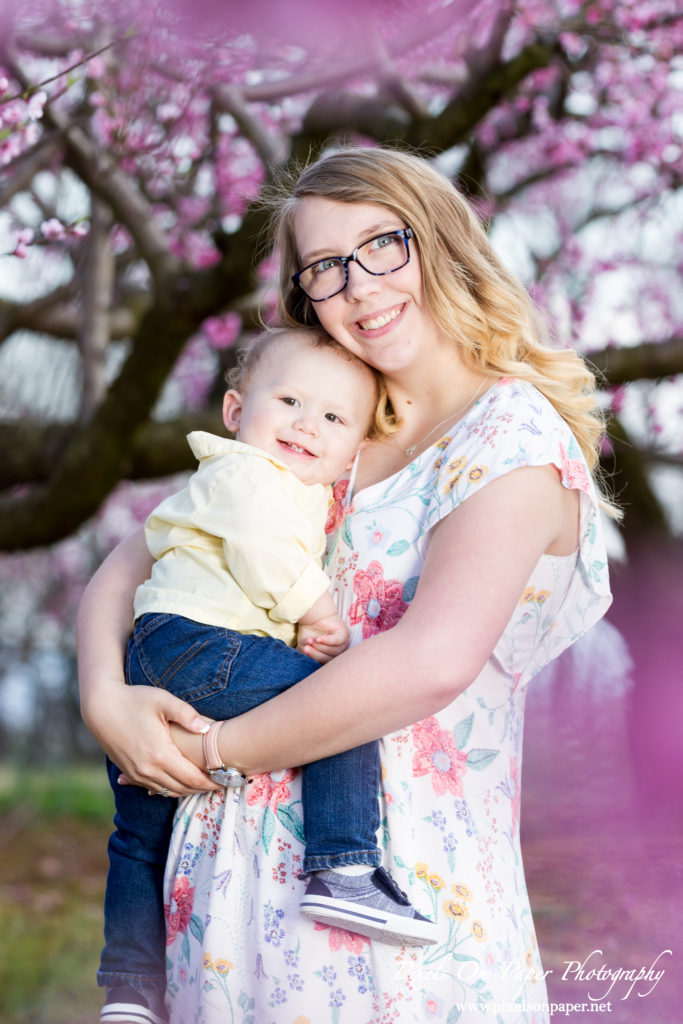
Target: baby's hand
x: 324, y: 639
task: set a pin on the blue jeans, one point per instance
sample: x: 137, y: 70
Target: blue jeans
x: 222, y: 674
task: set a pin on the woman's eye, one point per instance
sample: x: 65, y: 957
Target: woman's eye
x: 329, y: 264
x: 383, y: 241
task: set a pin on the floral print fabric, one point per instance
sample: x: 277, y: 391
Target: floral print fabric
x: 238, y: 949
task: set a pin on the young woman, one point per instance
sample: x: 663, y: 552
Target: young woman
x: 465, y: 552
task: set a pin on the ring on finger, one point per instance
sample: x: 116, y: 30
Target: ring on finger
x: 163, y: 792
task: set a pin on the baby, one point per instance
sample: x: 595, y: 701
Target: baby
x: 236, y: 583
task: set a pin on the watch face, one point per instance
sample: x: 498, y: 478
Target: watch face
x: 228, y: 777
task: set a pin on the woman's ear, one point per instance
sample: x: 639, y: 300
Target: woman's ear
x: 232, y: 410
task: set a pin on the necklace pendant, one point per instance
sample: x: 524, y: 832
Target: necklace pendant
x: 410, y: 451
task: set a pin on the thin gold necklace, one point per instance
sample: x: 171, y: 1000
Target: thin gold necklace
x: 451, y: 416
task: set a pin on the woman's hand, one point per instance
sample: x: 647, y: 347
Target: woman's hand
x: 134, y: 730
x: 132, y: 724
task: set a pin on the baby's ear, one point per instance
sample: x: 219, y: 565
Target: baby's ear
x: 232, y: 410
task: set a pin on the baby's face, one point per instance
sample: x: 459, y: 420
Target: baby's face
x: 309, y: 407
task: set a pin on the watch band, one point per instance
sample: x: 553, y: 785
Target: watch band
x: 219, y: 772
x: 210, y: 744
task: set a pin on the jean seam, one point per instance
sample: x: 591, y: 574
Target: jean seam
x: 217, y: 685
x: 329, y: 861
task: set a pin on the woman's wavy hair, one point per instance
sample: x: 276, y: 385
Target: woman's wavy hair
x: 472, y: 296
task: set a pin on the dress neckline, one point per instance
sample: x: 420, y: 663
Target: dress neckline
x: 353, y: 495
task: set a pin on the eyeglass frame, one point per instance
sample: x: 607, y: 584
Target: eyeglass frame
x: 404, y: 233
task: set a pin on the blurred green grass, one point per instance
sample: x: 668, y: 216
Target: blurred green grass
x: 81, y: 792
x: 53, y: 836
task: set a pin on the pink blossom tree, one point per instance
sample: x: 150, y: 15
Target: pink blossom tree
x: 136, y: 140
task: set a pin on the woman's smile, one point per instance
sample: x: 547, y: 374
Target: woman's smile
x: 375, y: 324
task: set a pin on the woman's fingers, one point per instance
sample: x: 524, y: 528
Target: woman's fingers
x: 183, y: 714
x: 123, y: 780
x: 140, y: 745
x: 176, y: 774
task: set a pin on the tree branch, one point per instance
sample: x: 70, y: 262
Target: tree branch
x: 334, y: 114
x: 97, y: 457
x: 49, y: 44
x: 58, y: 315
x: 97, y: 170
x: 477, y: 97
x: 55, y: 49
x: 542, y: 263
x: 397, y: 89
x: 26, y: 166
x: 271, y: 149
x: 99, y: 173
x: 662, y: 458
x: 480, y: 60
x: 14, y: 315
x: 98, y: 282
x: 319, y: 79
x: 159, y: 449
x: 651, y: 360
x: 64, y: 321
x: 643, y: 512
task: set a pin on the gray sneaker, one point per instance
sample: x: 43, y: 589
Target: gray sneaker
x: 370, y: 904
x: 128, y: 1006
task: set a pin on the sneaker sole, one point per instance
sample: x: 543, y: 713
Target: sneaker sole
x: 374, y: 924
x: 129, y: 1013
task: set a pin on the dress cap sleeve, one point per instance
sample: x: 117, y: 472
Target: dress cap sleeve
x: 513, y: 426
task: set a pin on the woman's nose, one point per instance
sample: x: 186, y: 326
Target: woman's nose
x: 360, y: 282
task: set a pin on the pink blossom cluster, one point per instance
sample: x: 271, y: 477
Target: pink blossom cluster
x: 153, y: 105
x: 222, y: 331
x: 51, y: 230
x: 595, y: 135
x: 19, y: 117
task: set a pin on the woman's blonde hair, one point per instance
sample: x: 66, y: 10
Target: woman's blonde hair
x: 472, y: 296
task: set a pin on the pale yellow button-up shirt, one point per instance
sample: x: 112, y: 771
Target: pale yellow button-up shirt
x: 240, y: 546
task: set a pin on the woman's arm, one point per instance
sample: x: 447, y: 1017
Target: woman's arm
x: 130, y: 723
x: 478, y: 562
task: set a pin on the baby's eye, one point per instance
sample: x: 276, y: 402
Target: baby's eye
x: 332, y: 417
x: 288, y: 400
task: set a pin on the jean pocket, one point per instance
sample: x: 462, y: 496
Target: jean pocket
x: 189, y: 659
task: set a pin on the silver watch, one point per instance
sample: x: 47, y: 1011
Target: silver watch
x: 228, y: 777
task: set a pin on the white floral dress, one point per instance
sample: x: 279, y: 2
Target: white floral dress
x: 239, y: 951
